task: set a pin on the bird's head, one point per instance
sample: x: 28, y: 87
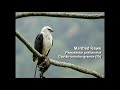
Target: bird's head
x: 47, y: 29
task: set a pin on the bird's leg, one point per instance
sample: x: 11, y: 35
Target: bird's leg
x: 41, y: 75
x: 46, y: 57
x: 43, y: 66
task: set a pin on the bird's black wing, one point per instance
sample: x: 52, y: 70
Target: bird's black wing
x: 38, y: 44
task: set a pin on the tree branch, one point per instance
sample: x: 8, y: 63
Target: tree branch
x: 28, y: 45
x: 57, y: 63
x: 57, y: 14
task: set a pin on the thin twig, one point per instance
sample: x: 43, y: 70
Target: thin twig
x: 35, y: 71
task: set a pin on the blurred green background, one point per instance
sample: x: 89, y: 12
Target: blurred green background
x: 68, y: 32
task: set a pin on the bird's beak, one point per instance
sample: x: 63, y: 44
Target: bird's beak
x: 52, y: 31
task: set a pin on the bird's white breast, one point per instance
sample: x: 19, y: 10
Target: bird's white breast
x: 47, y: 43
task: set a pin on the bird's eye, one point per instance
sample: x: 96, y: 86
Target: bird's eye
x: 49, y: 29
